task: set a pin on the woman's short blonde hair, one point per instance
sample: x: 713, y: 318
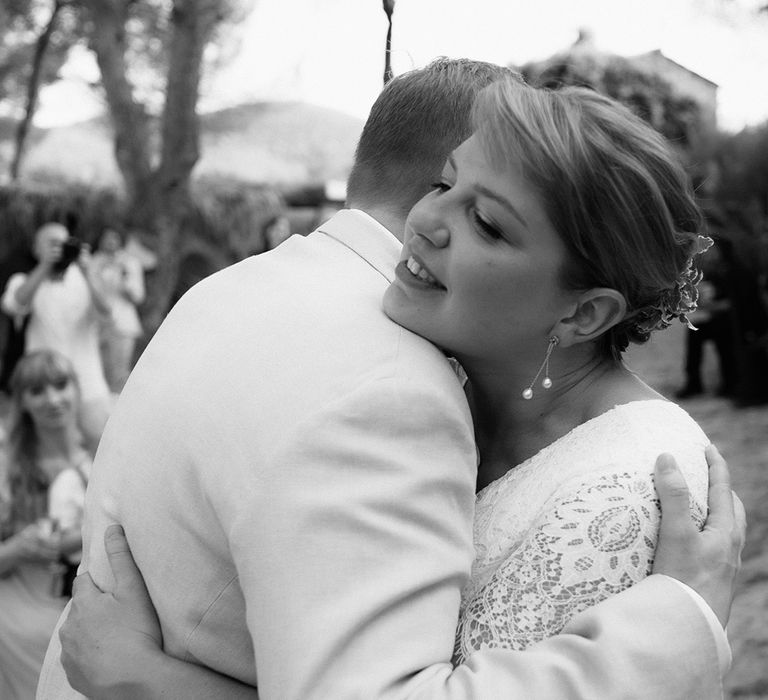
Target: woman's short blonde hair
x: 611, y: 185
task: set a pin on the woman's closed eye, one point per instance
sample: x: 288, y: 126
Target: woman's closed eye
x: 486, y: 228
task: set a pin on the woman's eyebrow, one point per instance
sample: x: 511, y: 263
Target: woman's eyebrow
x: 504, y: 202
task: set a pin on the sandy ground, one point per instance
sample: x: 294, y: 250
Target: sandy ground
x: 742, y: 437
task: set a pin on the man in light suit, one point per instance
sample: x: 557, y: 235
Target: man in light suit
x: 295, y: 475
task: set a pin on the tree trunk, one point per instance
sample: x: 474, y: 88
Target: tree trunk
x: 33, y: 89
x: 129, y: 120
x: 159, y: 198
x: 192, y: 26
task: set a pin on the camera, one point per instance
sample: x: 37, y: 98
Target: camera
x: 70, y: 251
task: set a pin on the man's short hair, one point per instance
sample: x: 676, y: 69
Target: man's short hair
x: 417, y: 120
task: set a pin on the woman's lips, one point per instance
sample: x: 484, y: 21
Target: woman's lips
x: 414, y: 271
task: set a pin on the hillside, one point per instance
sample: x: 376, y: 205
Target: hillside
x: 285, y: 143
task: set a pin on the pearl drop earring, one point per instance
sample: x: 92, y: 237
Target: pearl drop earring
x: 546, y: 382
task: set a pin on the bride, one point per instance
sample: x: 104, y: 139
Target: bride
x: 560, y: 232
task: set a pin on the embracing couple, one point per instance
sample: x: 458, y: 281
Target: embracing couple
x: 297, y: 466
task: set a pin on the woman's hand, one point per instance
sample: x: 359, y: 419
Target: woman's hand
x: 32, y: 545
x: 107, y: 634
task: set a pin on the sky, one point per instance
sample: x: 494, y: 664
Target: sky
x: 330, y: 52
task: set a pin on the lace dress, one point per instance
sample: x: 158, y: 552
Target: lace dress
x: 573, y: 524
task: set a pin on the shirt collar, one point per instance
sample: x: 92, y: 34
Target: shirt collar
x: 366, y: 237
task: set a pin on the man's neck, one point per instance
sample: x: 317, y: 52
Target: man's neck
x: 390, y: 219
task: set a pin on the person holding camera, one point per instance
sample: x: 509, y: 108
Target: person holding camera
x: 64, y: 309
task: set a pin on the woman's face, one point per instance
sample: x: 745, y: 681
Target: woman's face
x: 110, y: 241
x: 51, y: 404
x: 480, y: 269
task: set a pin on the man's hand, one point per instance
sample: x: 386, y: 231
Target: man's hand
x: 106, y: 635
x: 707, y: 561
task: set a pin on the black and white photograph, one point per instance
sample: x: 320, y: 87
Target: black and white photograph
x: 383, y: 350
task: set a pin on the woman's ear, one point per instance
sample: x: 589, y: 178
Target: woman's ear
x: 597, y: 310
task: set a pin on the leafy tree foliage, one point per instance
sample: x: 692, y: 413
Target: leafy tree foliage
x: 50, y: 49
x: 21, y: 24
x: 743, y: 160
x: 646, y: 93
x: 741, y: 193
x: 152, y: 55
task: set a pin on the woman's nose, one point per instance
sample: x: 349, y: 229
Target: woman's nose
x: 52, y: 395
x: 429, y: 221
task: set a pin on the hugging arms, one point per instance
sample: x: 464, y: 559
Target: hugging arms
x: 112, y: 641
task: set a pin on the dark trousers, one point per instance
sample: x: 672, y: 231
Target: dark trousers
x: 719, y: 330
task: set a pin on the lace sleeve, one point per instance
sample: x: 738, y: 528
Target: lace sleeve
x: 589, y: 542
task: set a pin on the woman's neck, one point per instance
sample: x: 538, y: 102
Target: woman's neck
x: 61, y: 445
x: 509, y: 429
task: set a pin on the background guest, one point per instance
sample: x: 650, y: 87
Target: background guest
x: 41, y: 501
x: 750, y: 322
x: 120, y: 278
x: 12, y: 333
x: 63, y: 307
x: 714, y: 321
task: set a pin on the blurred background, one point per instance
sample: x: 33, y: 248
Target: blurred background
x: 204, y: 131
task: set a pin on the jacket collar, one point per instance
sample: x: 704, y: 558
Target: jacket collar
x: 366, y: 237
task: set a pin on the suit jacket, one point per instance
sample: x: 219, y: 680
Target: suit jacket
x: 295, y: 475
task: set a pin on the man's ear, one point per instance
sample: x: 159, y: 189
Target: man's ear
x: 597, y: 310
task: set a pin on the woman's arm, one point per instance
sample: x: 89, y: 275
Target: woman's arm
x: 133, y: 280
x: 594, y: 538
x: 100, y: 302
x: 112, y: 643
x: 22, y: 288
x: 48, y: 254
x: 27, y: 546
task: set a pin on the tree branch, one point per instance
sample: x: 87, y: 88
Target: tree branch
x: 33, y: 88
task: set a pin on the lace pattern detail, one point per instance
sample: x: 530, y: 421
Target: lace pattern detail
x: 590, y: 535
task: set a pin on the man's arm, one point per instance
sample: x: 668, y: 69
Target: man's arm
x: 629, y: 645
